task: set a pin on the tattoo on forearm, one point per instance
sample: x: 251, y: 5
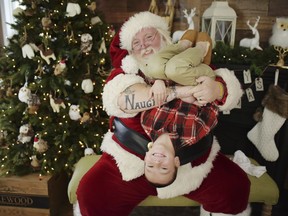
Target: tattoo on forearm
x: 131, y: 104
x: 174, y: 91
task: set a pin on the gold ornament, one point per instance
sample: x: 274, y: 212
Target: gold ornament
x: 282, y: 52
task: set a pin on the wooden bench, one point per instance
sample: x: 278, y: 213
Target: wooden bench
x: 263, y: 190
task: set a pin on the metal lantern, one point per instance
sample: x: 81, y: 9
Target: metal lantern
x: 219, y: 20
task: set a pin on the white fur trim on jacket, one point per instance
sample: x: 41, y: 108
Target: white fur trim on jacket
x: 130, y: 166
x: 136, y: 23
x: 76, y: 209
x: 130, y: 65
x: 234, y: 89
x: 113, y: 89
x: 189, y: 178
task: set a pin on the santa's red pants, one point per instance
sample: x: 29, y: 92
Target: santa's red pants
x: 102, y: 192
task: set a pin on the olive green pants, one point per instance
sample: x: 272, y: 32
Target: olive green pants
x: 182, y: 67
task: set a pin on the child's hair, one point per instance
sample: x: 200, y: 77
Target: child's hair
x: 159, y: 185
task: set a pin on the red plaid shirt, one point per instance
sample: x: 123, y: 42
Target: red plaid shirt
x: 184, y: 121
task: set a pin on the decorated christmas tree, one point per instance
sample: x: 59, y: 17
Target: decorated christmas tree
x: 52, y: 74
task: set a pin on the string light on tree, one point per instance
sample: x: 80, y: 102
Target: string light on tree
x: 61, y: 37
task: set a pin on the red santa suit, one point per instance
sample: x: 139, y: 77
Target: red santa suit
x: 116, y: 184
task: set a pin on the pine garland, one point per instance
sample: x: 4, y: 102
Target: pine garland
x: 258, y: 60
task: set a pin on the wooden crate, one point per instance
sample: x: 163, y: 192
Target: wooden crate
x: 30, y: 195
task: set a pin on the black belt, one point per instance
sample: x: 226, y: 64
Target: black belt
x: 130, y: 138
x: 138, y: 143
x: 188, y: 153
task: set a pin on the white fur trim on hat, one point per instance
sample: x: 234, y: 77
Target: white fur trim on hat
x: 136, y: 23
x: 130, y: 65
x: 234, y: 88
x: 113, y: 89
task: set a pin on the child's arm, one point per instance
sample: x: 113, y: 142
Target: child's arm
x: 158, y: 92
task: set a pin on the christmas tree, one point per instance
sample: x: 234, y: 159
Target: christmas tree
x: 52, y: 74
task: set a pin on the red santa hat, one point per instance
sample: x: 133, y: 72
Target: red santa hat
x: 139, y: 21
x: 131, y: 27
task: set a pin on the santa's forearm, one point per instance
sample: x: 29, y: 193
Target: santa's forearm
x: 136, y: 98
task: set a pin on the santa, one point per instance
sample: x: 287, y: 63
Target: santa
x: 115, y: 185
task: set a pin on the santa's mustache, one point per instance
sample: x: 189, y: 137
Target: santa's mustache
x: 147, y: 50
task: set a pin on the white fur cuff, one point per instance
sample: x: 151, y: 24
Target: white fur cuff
x: 113, y: 89
x: 130, y: 166
x: 234, y: 89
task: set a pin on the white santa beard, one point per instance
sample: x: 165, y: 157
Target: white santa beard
x: 142, y: 58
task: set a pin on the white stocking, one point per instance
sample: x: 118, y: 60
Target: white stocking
x: 262, y: 134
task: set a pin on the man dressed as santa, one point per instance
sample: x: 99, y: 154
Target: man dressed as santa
x: 115, y: 185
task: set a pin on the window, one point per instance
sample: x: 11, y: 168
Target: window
x: 6, y: 12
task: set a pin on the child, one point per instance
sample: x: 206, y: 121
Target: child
x: 177, y: 130
x: 179, y: 62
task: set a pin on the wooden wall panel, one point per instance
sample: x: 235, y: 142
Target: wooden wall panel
x: 278, y: 8
x: 116, y: 12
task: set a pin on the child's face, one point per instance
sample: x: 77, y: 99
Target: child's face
x: 160, y: 162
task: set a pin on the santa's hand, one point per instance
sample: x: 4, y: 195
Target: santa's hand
x: 207, y: 90
x: 190, y: 99
x: 158, y: 92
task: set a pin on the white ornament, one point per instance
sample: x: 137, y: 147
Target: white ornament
x: 280, y: 33
x: 25, y: 133
x: 102, y: 48
x: 60, y: 67
x: 27, y: 51
x: 252, y: 43
x: 89, y: 151
x: 34, y: 161
x: 73, y: 9
x: 86, y: 42
x: 95, y: 20
x: 24, y: 94
x: 67, y: 82
x: 46, y: 54
x: 56, y: 104
x: 178, y: 34
x: 40, y: 145
x: 74, y: 112
x: 87, y: 86
x: 17, y: 11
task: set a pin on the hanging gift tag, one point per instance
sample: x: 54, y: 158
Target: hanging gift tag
x: 250, y: 94
x: 247, y: 76
x: 226, y: 112
x: 239, y: 104
x: 259, y: 84
x: 276, y: 77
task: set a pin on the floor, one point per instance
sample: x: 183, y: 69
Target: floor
x: 165, y: 211
x: 150, y: 211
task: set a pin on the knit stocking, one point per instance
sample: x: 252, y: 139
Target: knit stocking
x: 262, y: 134
x: 275, y: 113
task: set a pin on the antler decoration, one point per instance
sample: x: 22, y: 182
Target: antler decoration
x: 282, y: 52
